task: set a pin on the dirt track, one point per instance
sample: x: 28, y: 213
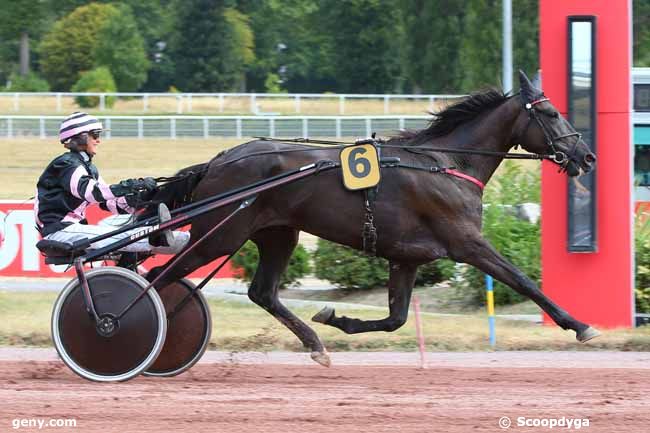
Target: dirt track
x: 264, y: 397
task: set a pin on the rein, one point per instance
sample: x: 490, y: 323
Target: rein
x: 559, y: 157
x: 342, y: 144
x: 382, y: 142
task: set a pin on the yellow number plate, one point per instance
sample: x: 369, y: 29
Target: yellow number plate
x: 360, y: 164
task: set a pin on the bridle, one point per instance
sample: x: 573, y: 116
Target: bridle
x: 557, y: 156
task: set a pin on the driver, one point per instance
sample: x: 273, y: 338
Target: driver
x: 71, y: 183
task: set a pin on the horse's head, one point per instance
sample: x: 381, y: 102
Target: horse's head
x: 547, y: 132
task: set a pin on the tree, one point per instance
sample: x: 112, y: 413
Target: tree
x: 292, y: 52
x: 61, y: 8
x: 68, y: 49
x: 432, y: 43
x: 244, y: 42
x: 481, y: 54
x: 205, y: 52
x: 362, y: 43
x: 525, y: 35
x: 155, y: 22
x: 120, y: 47
x: 95, y: 81
x: 18, y: 20
x: 481, y: 46
x: 641, y: 28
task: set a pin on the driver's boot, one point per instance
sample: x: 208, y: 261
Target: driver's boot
x: 167, y: 241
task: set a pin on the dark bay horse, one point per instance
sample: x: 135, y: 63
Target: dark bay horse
x: 420, y: 216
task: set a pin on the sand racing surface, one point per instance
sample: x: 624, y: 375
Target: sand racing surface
x: 362, y: 392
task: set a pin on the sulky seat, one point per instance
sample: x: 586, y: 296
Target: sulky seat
x: 58, y: 253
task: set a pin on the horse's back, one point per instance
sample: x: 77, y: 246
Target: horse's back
x: 260, y: 159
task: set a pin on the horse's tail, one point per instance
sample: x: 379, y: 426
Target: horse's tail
x: 177, y: 191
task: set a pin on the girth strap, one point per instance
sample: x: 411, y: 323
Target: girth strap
x: 472, y: 179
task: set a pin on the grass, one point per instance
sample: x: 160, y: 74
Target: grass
x: 240, y: 327
x: 26, y: 158
x: 231, y: 106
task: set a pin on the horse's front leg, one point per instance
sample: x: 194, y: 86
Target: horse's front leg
x: 479, y: 253
x: 400, y: 286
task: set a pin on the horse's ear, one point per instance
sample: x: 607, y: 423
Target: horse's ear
x: 528, y: 91
x: 537, y: 81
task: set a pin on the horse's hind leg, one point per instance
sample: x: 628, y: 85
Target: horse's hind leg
x: 400, y: 286
x: 479, y: 253
x: 275, y: 246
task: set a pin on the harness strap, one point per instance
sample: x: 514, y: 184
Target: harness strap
x: 472, y: 179
x: 369, y: 231
x: 537, y: 101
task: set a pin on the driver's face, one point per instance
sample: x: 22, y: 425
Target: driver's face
x: 91, y: 144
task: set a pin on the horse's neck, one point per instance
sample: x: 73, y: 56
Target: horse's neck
x: 490, y: 132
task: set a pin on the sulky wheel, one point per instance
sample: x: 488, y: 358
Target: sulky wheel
x: 188, y: 330
x: 134, y: 341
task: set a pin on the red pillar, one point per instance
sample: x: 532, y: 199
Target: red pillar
x: 596, y: 288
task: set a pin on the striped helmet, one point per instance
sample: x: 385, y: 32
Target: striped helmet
x: 76, y: 123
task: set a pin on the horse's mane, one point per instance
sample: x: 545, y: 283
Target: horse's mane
x: 450, y: 118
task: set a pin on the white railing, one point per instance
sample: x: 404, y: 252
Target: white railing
x: 220, y: 126
x: 253, y: 103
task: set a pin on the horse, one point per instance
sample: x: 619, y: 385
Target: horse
x: 419, y: 215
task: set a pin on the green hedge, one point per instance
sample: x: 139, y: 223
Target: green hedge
x: 517, y: 240
x: 642, y: 246
x: 248, y: 257
x: 351, y: 269
x: 28, y: 83
x: 97, y: 80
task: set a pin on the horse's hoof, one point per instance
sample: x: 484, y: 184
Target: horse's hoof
x: 322, y: 358
x: 587, y: 334
x: 323, y: 316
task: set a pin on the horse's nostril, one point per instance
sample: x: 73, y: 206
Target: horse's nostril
x: 590, y: 158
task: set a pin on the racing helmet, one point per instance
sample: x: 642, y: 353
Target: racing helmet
x: 78, y: 123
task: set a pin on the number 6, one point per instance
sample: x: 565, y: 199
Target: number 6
x: 355, y: 159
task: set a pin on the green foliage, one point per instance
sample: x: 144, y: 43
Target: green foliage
x: 642, y: 258
x: 68, y: 49
x: 120, y: 47
x: 29, y: 83
x: 433, y: 66
x: 294, y: 52
x: 433, y: 46
x: 20, y: 22
x: 272, y: 84
x: 348, y: 268
x: 155, y: 22
x: 248, y: 257
x: 244, y: 41
x: 525, y: 34
x: 641, y: 29
x: 61, y: 8
x: 517, y: 240
x: 17, y: 16
x: 371, y: 64
x: 481, y: 47
x: 206, y: 54
x: 97, y: 80
x: 435, y: 272
x: 351, y: 269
